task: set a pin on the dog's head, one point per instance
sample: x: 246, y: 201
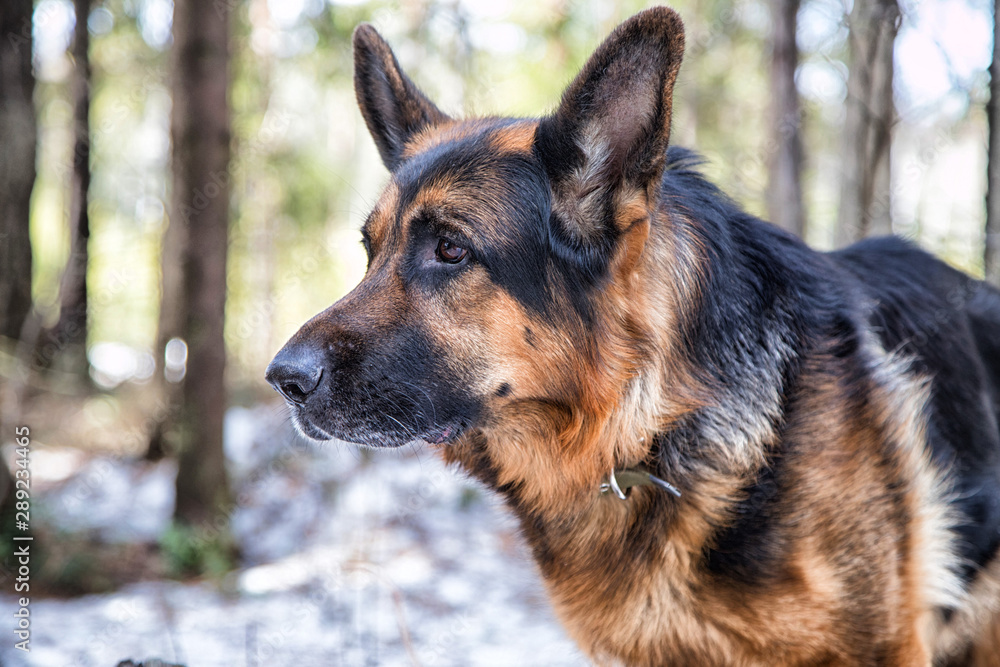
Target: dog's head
x: 499, y: 255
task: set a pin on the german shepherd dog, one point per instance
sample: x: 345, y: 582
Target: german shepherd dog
x: 723, y: 447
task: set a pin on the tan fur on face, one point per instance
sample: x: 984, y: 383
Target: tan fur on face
x: 381, y: 221
x: 555, y: 435
x: 518, y: 137
x: 583, y: 401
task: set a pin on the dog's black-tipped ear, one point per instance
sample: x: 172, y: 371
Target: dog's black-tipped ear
x: 393, y: 107
x: 612, y: 126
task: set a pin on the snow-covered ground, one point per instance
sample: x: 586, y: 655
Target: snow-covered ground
x: 381, y: 559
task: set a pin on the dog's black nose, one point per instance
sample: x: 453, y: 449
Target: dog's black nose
x: 295, y: 372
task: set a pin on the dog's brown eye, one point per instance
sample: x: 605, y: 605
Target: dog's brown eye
x: 449, y: 252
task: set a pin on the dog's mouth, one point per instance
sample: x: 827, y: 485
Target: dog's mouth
x: 307, y: 428
x: 378, y: 402
x: 375, y: 433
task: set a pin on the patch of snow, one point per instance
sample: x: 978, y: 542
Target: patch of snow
x: 53, y: 464
x: 116, y: 500
x: 389, y: 558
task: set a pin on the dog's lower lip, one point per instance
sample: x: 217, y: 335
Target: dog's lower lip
x: 310, y: 429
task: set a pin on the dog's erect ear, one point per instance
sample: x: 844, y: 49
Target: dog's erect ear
x: 393, y: 107
x: 612, y: 127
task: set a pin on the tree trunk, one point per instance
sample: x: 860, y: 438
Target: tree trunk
x: 784, y: 192
x: 69, y: 336
x: 17, y: 167
x: 200, y: 207
x: 991, y: 254
x: 865, y: 201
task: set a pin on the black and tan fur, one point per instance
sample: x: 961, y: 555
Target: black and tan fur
x: 548, y: 299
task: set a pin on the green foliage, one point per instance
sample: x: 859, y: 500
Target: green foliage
x: 77, y: 573
x: 190, y: 551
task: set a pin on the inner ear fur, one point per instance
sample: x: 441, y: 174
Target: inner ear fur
x: 393, y: 107
x: 607, y: 140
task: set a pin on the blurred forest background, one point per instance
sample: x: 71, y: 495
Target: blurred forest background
x: 182, y: 184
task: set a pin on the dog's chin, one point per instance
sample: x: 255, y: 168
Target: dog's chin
x: 310, y: 430
x: 377, y: 439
